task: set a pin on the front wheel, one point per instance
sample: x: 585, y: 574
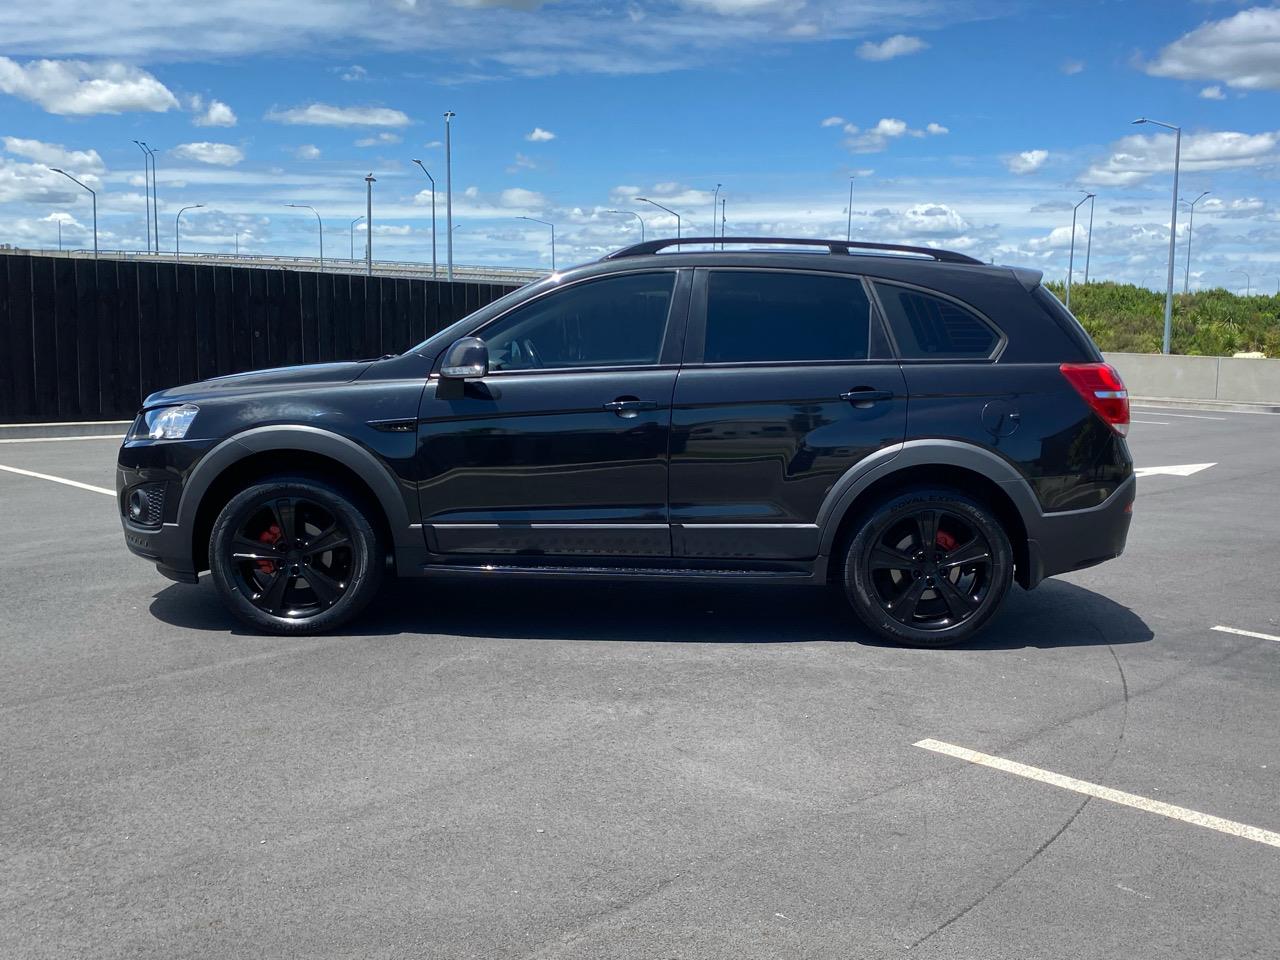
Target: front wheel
x: 293, y: 555
x: 928, y: 568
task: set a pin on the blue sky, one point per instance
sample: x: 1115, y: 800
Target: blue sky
x: 970, y: 125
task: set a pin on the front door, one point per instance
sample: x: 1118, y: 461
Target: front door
x: 562, y: 448
x: 787, y: 383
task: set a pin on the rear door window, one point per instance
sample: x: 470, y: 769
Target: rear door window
x: 934, y: 328
x: 776, y: 317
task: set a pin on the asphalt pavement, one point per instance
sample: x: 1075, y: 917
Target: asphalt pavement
x: 584, y: 770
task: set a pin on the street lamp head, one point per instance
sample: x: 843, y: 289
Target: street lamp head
x: 56, y: 170
x: 1141, y: 120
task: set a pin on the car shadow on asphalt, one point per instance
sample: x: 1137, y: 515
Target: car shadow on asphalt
x: 1055, y: 614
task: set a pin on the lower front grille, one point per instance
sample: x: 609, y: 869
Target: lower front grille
x: 144, y: 504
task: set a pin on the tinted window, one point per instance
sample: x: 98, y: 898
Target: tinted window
x: 785, y: 316
x: 929, y: 328
x: 616, y: 321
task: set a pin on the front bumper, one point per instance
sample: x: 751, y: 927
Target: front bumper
x: 164, y: 465
x: 1075, y: 539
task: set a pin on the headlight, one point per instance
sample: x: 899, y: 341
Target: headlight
x: 167, y: 423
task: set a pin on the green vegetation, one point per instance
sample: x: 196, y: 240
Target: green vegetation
x: 1122, y: 317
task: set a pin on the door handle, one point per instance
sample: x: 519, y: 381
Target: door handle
x: 630, y: 408
x: 866, y: 395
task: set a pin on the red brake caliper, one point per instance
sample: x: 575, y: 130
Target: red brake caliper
x: 945, y: 541
x: 270, y: 535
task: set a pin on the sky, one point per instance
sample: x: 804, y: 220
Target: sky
x: 973, y: 125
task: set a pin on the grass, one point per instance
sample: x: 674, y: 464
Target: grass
x: 1129, y: 319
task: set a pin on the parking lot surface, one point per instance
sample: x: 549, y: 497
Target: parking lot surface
x: 581, y: 770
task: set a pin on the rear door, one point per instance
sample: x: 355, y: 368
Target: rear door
x: 788, y: 381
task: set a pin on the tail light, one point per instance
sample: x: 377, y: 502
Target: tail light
x: 1103, y: 391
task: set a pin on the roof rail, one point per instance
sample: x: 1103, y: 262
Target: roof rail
x: 842, y: 247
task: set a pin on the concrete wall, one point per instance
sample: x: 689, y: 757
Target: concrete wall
x: 1199, y: 378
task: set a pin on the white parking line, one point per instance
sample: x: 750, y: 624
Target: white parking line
x: 70, y: 483
x: 1247, y: 633
x: 1206, y: 820
x: 1184, y: 416
x: 95, y: 436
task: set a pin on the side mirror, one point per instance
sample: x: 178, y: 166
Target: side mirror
x: 466, y: 359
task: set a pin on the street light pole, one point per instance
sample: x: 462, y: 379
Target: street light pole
x: 1173, y: 226
x: 722, y: 222
x: 177, y: 226
x: 155, y: 195
x: 319, y: 223
x: 1191, y: 222
x: 848, y: 225
x: 1071, y: 261
x: 146, y: 190
x: 95, y: 207
x: 369, y: 181
x: 353, y: 237
x: 553, y: 237
x: 448, y: 188
x: 1248, y: 284
x: 630, y: 213
x: 714, y: 204
x: 1088, y: 241
x: 433, y: 216
x: 669, y: 210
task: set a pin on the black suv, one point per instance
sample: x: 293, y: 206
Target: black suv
x: 910, y: 424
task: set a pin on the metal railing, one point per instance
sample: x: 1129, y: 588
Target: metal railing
x: 384, y: 268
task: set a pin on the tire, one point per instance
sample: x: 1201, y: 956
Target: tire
x: 271, y: 535
x: 934, y: 597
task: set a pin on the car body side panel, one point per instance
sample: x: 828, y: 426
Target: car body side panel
x: 1030, y: 416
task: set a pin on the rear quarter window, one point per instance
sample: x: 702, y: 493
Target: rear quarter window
x: 928, y: 327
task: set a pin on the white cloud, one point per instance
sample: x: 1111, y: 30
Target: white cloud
x: 886, y: 130
x: 1212, y: 93
x: 519, y: 197
x: 328, y: 115
x: 538, y: 135
x: 216, y: 114
x: 35, y: 183
x: 834, y: 122
x: 1028, y: 161
x: 382, y: 139
x: 77, y: 88
x: 925, y: 220
x: 308, y: 151
x: 433, y: 144
x: 392, y: 229
x: 1135, y: 158
x: 1243, y: 51
x: 219, y: 154
x: 1071, y: 67
x: 55, y: 155
x: 522, y: 162
x: 899, y: 45
x: 1241, y: 207
x: 353, y: 73
x: 1059, y: 238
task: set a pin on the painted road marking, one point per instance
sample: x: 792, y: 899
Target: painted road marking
x: 70, y: 483
x: 1230, y: 827
x: 59, y: 439
x: 1185, y: 416
x: 1177, y: 470
x: 1152, y: 423
x: 1247, y: 633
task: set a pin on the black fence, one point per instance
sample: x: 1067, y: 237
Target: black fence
x: 87, y: 340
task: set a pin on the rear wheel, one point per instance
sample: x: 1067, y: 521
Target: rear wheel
x: 294, y: 555
x: 928, y: 568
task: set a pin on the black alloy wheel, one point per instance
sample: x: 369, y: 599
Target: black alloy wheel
x: 294, y: 555
x: 292, y: 558
x: 928, y: 568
